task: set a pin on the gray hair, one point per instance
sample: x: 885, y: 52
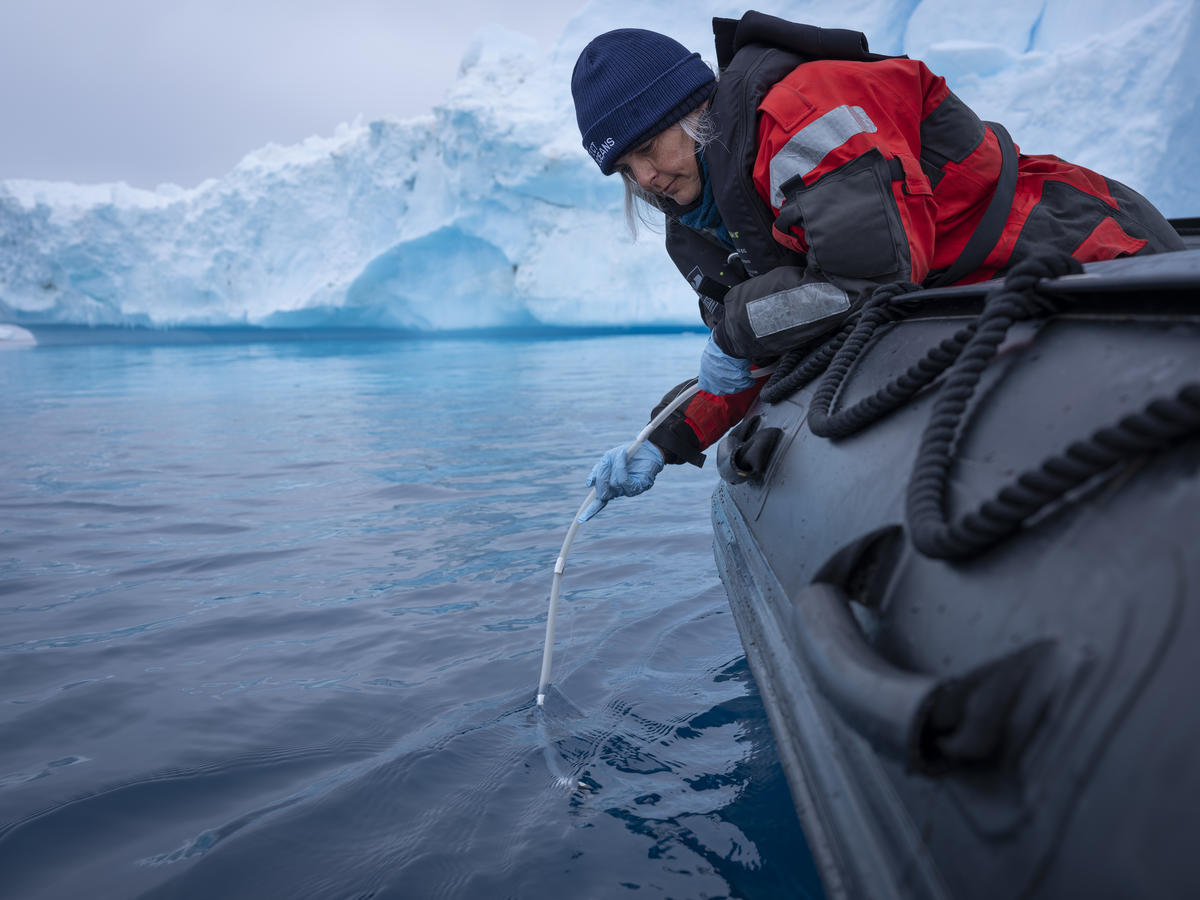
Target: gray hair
x: 701, y: 127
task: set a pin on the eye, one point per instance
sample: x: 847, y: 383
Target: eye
x: 646, y: 147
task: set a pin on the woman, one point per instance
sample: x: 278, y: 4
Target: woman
x: 813, y: 172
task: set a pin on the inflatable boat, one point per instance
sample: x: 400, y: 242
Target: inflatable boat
x: 961, y: 541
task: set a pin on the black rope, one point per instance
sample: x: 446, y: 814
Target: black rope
x: 1163, y: 421
x: 790, y: 376
x: 886, y: 305
x: 839, y: 355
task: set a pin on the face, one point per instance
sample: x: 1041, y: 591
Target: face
x: 665, y: 166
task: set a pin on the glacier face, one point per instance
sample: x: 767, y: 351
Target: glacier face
x: 487, y: 212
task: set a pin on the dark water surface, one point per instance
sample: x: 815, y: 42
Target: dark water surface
x: 271, y: 620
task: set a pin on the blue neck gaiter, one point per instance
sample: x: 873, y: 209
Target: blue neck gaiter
x: 705, y: 216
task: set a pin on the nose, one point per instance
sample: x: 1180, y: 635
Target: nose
x: 644, y: 173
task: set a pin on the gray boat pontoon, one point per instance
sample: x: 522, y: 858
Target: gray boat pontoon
x: 964, y: 560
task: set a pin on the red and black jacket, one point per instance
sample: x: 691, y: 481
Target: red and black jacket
x: 836, y: 175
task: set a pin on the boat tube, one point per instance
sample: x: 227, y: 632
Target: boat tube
x: 962, y: 547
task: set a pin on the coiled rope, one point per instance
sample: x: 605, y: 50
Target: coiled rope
x: 963, y: 357
x: 838, y: 355
x: 1163, y: 421
x: 798, y: 367
x: 881, y: 308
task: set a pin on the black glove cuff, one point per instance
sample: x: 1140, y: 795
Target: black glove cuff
x: 677, y: 442
x: 675, y: 437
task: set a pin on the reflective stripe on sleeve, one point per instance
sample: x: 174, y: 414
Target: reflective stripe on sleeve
x: 813, y: 142
x: 794, y: 307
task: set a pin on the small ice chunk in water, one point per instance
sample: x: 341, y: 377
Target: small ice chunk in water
x: 15, y: 336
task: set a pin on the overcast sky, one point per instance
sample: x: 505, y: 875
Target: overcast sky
x: 150, y: 91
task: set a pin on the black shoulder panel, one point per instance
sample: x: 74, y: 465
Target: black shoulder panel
x: 753, y: 72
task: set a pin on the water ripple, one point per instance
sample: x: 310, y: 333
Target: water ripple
x: 273, y: 618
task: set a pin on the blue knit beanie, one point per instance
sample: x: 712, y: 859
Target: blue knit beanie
x: 629, y: 85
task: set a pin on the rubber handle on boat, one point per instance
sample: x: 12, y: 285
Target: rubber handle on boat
x: 879, y: 700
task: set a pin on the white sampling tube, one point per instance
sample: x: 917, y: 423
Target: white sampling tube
x: 560, y: 564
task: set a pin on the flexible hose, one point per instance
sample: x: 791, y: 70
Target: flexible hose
x: 560, y: 564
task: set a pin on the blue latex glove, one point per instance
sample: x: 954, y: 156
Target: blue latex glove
x: 614, y: 477
x: 721, y: 373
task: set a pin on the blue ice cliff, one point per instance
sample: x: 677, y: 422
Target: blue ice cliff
x: 487, y: 212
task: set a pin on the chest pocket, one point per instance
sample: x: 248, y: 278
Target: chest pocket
x: 850, y: 219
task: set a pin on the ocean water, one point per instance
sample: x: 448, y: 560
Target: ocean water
x: 271, y: 618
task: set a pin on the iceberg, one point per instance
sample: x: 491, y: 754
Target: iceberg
x: 487, y: 212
